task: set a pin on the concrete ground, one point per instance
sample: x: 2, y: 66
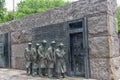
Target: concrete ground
x: 12, y: 74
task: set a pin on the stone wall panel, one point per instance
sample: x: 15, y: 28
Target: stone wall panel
x: 18, y: 56
x: 114, y: 47
x: 100, y: 68
x: 97, y: 26
x: 21, y: 36
x: 116, y: 66
x: 99, y: 47
x: 19, y: 63
x: 119, y: 41
x: 112, y: 8
x: 112, y: 25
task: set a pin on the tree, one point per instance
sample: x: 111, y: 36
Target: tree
x: 118, y: 12
x: 26, y: 7
x: 8, y: 16
x: 2, y: 10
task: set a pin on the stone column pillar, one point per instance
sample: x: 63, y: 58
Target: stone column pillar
x: 104, y: 44
x: 112, y: 25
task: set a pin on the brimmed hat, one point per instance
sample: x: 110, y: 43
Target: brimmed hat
x: 44, y: 41
x: 61, y: 44
x: 53, y: 42
x: 37, y: 44
x: 29, y: 43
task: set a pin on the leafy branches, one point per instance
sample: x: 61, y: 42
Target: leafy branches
x: 26, y: 7
x: 118, y: 12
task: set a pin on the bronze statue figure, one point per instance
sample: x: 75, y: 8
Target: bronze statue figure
x: 51, y: 58
x: 60, y: 61
x: 43, y: 61
x: 35, y: 60
x: 42, y: 58
x: 28, y: 60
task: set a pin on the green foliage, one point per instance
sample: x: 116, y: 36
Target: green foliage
x: 118, y: 19
x: 2, y: 10
x: 9, y: 16
x: 26, y: 7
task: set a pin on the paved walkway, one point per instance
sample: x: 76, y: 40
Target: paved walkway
x: 11, y: 74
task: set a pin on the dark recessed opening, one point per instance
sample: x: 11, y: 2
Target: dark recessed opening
x: 75, y: 25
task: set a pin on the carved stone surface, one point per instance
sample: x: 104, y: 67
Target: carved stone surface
x: 97, y: 26
x: 22, y: 36
x: 114, y: 47
x: 100, y: 68
x: 112, y: 8
x: 99, y: 47
x: 18, y: 51
x: 19, y: 63
x: 112, y: 26
x: 119, y: 41
x: 116, y: 65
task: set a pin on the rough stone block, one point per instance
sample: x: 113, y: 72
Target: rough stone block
x: 116, y: 65
x: 112, y: 8
x: 100, y: 68
x: 18, y: 55
x: 98, y: 47
x: 112, y: 26
x: 119, y: 41
x: 114, y: 46
x: 13, y: 62
x: 21, y: 36
x: 18, y: 50
x: 20, y: 63
x: 97, y: 26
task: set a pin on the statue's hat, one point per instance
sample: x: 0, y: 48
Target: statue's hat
x: 29, y: 43
x: 53, y: 42
x: 61, y: 44
x: 44, y: 41
x: 37, y: 44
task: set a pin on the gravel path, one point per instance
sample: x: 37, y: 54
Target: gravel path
x: 12, y: 74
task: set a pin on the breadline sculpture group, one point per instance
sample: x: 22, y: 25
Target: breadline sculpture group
x: 44, y: 61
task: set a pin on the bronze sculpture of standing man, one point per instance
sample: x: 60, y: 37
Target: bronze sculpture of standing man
x: 35, y: 60
x: 51, y: 58
x: 28, y: 58
x: 42, y: 59
x: 60, y: 61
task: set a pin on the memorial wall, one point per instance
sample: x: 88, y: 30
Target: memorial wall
x: 98, y: 36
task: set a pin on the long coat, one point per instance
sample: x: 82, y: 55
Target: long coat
x: 42, y: 58
x: 35, y: 58
x: 51, y: 58
x: 28, y: 57
x: 60, y: 61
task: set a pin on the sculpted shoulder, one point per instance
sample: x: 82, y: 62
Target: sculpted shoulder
x: 57, y: 50
x: 50, y: 48
x: 26, y: 49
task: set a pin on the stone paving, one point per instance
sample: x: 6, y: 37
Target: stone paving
x: 12, y: 74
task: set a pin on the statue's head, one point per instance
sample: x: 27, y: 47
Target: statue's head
x: 53, y: 43
x: 44, y: 43
x: 29, y: 45
x: 61, y: 45
x: 37, y: 45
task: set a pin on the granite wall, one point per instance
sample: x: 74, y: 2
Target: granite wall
x: 102, y: 34
x: 119, y: 41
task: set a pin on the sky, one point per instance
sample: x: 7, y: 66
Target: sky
x: 9, y: 3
